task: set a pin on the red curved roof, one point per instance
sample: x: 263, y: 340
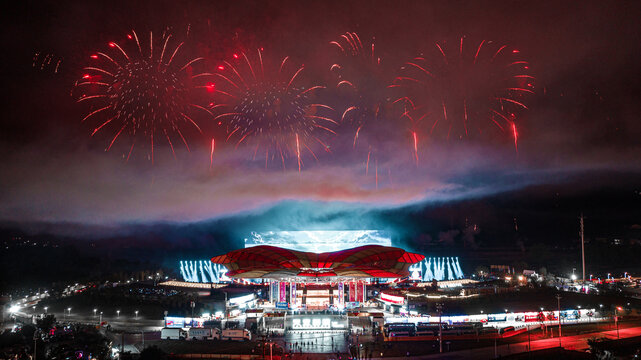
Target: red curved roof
x: 274, y: 262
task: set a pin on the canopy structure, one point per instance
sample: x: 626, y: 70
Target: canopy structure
x: 369, y: 261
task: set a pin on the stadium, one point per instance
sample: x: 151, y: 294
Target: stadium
x: 317, y: 277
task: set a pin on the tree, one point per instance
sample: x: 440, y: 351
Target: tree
x: 46, y: 323
x: 481, y: 270
x: 543, y: 271
x: 152, y: 353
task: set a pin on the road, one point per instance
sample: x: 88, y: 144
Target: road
x: 575, y: 342
x: 122, y: 322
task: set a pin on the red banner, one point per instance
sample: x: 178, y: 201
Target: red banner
x: 352, y: 292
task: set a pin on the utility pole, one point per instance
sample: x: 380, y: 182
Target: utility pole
x: 439, y: 307
x: 616, y: 319
x: 582, y: 248
x: 558, y: 301
x: 35, y: 344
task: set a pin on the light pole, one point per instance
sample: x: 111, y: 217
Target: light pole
x: 118, y: 314
x: 69, y: 311
x: 616, y: 318
x: 100, y: 323
x: 46, y: 307
x: 439, y: 308
x: 582, y: 249
x: 35, y: 344
x: 94, y: 312
x: 558, y: 301
x: 136, y: 312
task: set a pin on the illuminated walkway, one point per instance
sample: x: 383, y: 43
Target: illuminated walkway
x: 575, y: 342
x: 326, y: 341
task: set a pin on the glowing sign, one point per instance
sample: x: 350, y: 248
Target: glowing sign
x: 399, y: 300
x: 313, y: 323
x: 183, y: 322
x: 319, y: 241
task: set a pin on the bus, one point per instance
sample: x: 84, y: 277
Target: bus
x: 427, y: 329
x: 399, y: 329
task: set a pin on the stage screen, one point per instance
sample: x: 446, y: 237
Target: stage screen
x: 320, y: 240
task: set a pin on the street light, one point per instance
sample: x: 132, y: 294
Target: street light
x: 118, y: 313
x: 439, y: 308
x: 46, y: 307
x: 94, y: 312
x: 558, y: 300
x: 136, y: 312
x: 616, y: 318
x: 100, y: 318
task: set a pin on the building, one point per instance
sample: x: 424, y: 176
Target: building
x: 310, y: 280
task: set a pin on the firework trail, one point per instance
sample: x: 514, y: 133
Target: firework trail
x: 458, y: 89
x: 262, y: 105
x: 145, y: 90
x: 363, y: 82
x: 46, y: 61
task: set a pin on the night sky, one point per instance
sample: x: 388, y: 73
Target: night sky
x: 578, y: 143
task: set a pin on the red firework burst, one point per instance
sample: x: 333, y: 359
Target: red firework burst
x: 261, y: 103
x: 458, y: 89
x: 143, y: 91
x: 362, y: 82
